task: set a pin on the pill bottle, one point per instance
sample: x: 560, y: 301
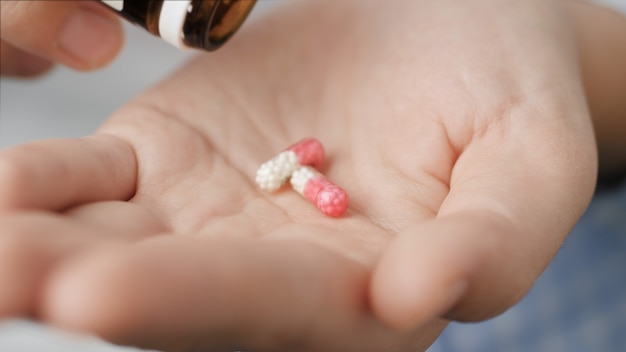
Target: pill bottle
x: 198, y: 24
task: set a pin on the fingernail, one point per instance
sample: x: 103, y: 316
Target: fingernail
x: 90, y: 37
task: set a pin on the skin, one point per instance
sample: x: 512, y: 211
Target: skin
x: 458, y: 128
x: 601, y: 37
x: 77, y: 33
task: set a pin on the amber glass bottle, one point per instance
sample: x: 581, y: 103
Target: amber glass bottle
x: 200, y: 24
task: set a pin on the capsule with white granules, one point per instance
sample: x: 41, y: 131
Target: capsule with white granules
x: 275, y: 172
x: 331, y: 199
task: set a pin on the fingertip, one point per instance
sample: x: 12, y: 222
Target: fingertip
x: 28, y: 253
x: 469, y: 267
x: 90, y: 38
x: 92, y: 294
x: 409, y: 288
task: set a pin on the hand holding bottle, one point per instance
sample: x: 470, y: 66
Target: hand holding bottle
x: 35, y: 34
x: 85, y: 35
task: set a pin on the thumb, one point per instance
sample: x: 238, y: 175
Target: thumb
x: 510, y: 206
x: 80, y: 34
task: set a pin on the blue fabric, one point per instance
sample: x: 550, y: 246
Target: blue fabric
x: 577, y: 305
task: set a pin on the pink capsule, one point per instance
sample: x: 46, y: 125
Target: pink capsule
x: 331, y: 199
x: 275, y: 172
x: 309, y: 151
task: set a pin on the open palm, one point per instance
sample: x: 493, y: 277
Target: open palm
x: 460, y: 172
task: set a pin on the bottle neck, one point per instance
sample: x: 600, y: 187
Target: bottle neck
x: 172, y: 20
x: 202, y: 24
x: 142, y: 13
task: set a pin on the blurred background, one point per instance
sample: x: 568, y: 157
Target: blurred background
x: 579, y: 304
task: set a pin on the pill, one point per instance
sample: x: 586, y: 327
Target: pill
x: 309, y: 151
x: 331, y: 199
x: 275, y: 172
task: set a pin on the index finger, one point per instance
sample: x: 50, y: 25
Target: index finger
x: 57, y: 174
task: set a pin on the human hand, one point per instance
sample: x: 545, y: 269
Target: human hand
x: 600, y: 31
x: 458, y: 129
x: 35, y: 34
